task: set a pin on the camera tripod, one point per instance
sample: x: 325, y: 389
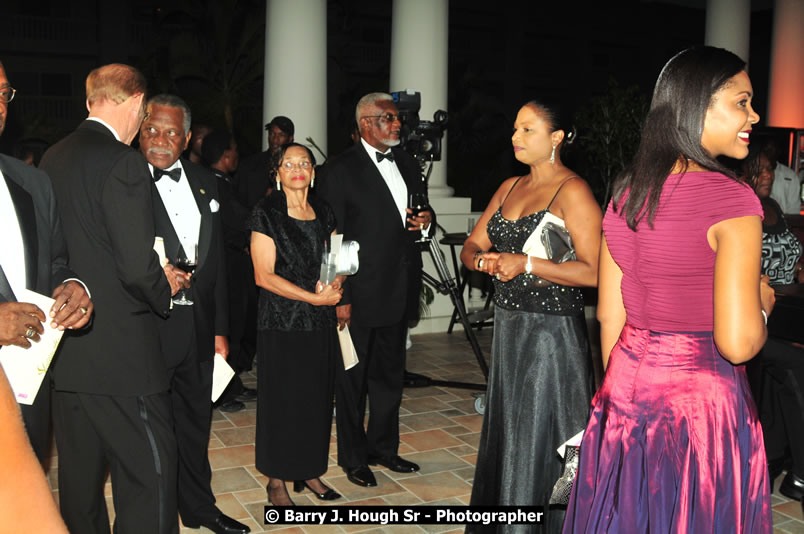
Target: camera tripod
x: 446, y: 285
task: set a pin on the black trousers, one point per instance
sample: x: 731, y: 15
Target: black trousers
x: 782, y: 401
x: 190, y: 392
x: 380, y: 376
x: 37, y: 421
x: 133, y: 438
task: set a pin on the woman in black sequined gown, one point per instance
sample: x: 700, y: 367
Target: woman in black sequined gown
x: 540, y: 383
x: 297, y: 345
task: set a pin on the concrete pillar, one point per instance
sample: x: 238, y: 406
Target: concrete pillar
x: 785, y: 105
x: 296, y: 67
x: 419, y: 38
x: 728, y: 25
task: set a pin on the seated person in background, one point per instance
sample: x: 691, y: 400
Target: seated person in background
x: 786, y: 189
x: 781, y: 405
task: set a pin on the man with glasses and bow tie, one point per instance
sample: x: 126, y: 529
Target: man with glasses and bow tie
x: 186, y: 216
x: 368, y: 187
x: 111, y: 408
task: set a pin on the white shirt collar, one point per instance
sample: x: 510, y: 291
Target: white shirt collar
x: 98, y: 119
x: 371, y: 150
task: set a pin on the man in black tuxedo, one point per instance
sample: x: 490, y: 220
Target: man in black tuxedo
x: 253, y: 176
x: 368, y: 187
x: 186, y: 211
x: 219, y: 152
x: 111, y: 405
x: 33, y: 256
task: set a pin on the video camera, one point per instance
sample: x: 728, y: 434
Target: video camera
x: 421, y: 139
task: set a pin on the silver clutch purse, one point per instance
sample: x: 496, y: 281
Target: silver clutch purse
x: 563, y: 486
x: 348, y: 259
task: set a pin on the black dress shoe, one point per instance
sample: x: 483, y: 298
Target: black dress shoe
x: 230, y: 406
x: 792, y: 487
x: 394, y: 463
x: 360, y: 475
x: 328, y: 495
x: 223, y: 525
x: 248, y: 394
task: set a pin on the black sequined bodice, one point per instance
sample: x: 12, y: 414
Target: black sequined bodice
x: 521, y: 293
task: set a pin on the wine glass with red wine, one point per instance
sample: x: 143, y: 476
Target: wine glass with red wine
x: 418, y: 202
x: 187, y: 265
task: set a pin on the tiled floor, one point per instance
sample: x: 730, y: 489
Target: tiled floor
x: 439, y: 430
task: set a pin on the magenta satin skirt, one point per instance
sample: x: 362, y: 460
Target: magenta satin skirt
x: 673, y: 443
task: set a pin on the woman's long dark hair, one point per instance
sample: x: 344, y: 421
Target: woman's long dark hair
x: 673, y: 128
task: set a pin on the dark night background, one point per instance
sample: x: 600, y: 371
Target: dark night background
x: 601, y: 58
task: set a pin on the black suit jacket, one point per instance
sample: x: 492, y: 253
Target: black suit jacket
x: 103, y: 190
x: 386, y: 287
x: 196, y: 326
x: 42, y: 238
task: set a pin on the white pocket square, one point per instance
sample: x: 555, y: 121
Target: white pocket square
x: 214, y: 206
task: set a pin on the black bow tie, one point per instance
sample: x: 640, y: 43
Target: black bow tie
x: 388, y: 155
x: 175, y: 174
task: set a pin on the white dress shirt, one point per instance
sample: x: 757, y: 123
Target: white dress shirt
x: 786, y: 189
x: 393, y: 179
x: 12, y: 249
x: 181, y: 207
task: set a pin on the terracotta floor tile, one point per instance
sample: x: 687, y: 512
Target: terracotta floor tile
x: 231, y: 456
x: 436, y: 487
x: 229, y: 505
x: 256, y: 495
x: 352, y: 492
x: 472, y: 422
x: 436, y: 461
x: 231, y: 480
x: 243, y: 417
x: 425, y: 404
x: 429, y: 439
x: 790, y: 509
x: 425, y: 421
x: 470, y: 439
x: 236, y: 436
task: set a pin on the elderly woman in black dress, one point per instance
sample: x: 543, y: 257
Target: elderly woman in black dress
x: 297, y: 339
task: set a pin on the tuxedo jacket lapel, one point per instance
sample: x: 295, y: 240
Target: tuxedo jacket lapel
x: 202, y: 198
x: 23, y: 204
x: 371, y: 172
x: 164, y: 228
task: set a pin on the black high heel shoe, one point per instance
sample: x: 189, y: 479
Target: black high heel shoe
x: 268, y: 490
x: 328, y: 495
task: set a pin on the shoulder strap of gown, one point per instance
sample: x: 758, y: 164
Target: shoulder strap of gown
x: 509, y: 191
x: 557, y: 192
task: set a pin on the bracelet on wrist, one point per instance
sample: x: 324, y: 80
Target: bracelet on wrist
x: 528, y: 265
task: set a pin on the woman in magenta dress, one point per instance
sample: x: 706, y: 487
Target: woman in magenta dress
x: 673, y: 442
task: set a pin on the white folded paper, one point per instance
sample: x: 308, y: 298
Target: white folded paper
x: 347, y: 348
x: 533, y: 245
x: 222, y: 374
x: 26, y: 368
x: 574, y: 441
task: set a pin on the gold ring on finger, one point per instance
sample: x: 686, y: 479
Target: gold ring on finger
x: 497, y: 276
x: 30, y: 332
x: 83, y: 309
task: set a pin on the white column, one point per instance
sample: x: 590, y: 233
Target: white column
x: 728, y: 25
x: 419, y: 37
x: 296, y: 67
x: 785, y: 105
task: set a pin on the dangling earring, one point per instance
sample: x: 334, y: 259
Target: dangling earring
x: 312, y: 182
x: 553, y: 156
x: 278, y: 185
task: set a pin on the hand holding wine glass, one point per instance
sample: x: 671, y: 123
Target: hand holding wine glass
x: 188, y: 265
x: 418, y: 208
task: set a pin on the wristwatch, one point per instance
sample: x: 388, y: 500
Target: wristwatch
x: 528, y: 266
